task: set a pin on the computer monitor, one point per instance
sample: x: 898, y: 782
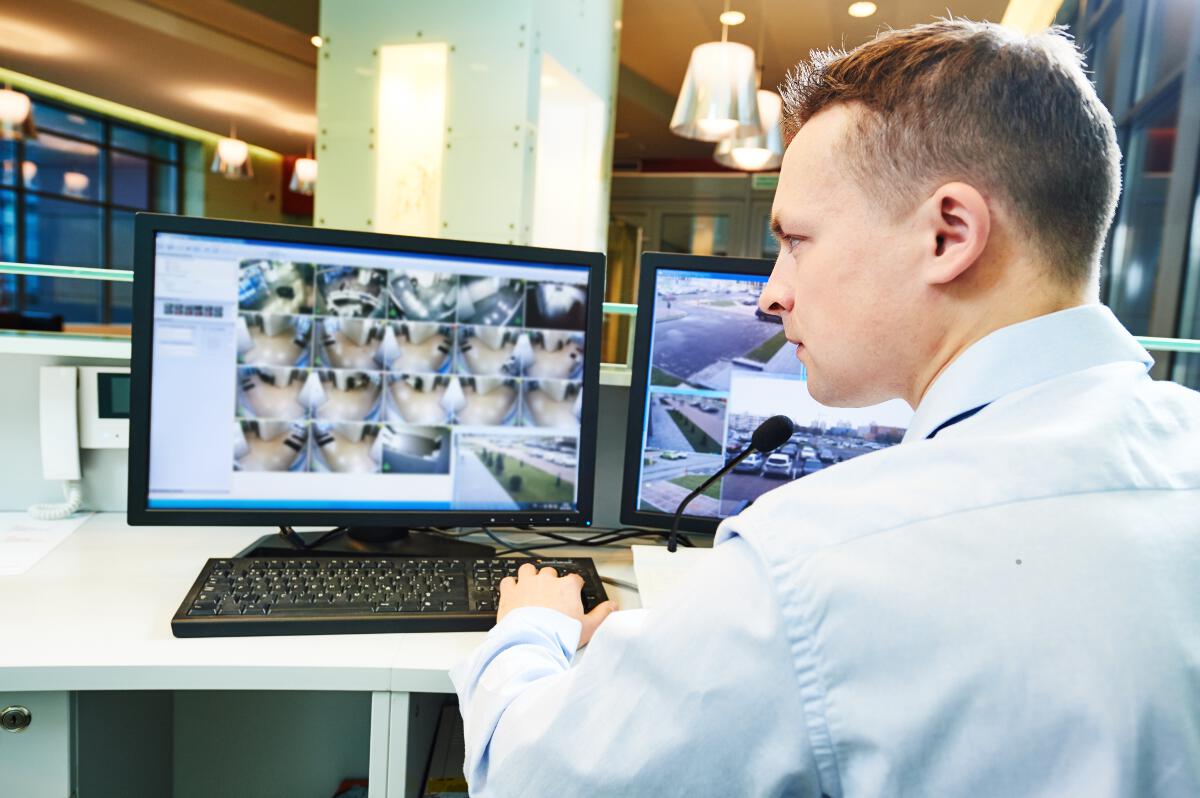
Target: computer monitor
x: 287, y: 375
x: 708, y: 368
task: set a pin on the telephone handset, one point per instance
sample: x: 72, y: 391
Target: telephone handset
x: 78, y: 406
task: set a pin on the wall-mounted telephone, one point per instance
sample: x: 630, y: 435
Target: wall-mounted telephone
x: 78, y: 407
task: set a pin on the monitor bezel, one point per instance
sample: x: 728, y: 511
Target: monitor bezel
x: 148, y: 225
x: 651, y: 264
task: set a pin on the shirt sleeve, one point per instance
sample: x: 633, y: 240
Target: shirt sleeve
x: 698, y: 697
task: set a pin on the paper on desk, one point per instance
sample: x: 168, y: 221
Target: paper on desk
x: 25, y: 540
x: 659, y: 571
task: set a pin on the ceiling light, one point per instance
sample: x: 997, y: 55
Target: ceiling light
x: 317, y: 41
x: 717, y: 98
x: 761, y: 151
x: 863, y: 8
x: 241, y: 104
x: 304, y: 177
x: 75, y: 184
x: 232, y: 158
x: 16, y: 115
x: 35, y: 40
x: 732, y: 18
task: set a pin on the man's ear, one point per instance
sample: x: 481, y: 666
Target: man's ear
x: 957, y: 222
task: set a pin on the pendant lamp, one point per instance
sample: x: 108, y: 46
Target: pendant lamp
x: 759, y: 152
x: 16, y: 115
x: 232, y: 158
x: 304, y: 175
x: 717, y: 98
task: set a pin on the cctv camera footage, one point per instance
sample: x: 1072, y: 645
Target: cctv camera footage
x: 371, y: 378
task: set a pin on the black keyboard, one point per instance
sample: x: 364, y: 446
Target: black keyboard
x: 319, y: 595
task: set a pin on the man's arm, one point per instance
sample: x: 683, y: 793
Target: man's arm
x: 698, y: 697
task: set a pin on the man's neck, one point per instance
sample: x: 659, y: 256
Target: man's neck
x: 976, y: 324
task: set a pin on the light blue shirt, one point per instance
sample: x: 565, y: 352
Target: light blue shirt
x: 1009, y: 609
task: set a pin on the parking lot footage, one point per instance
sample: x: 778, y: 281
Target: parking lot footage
x: 516, y: 472
x: 686, y: 352
x: 360, y: 370
x: 684, y: 434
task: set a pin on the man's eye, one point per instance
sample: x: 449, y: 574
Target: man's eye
x: 791, y: 242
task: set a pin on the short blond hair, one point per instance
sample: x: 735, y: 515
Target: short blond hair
x: 1012, y: 114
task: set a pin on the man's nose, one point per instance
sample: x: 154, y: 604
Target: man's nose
x: 776, y: 296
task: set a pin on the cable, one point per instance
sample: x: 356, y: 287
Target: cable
x: 606, y: 537
x: 511, y: 549
x: 446, y: 533
x: 596, y: 539
x: 335, y: 531
x: 56, y: 512
x: 612, y: 580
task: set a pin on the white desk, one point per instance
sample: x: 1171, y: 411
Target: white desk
x: 94, y: 615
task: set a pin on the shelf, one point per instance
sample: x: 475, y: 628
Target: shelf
x: 101, y: 347
x: 69, y: 272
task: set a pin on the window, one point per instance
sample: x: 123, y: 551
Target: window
x: 1138, y: 236
x: 1187, y: 366
x: 696, y: 234
x: 1103, y: 60
x: 769, y: 244
x: 1164, y: 42
x: 68, y: 197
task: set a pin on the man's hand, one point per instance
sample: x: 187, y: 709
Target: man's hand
x: 545, y: 588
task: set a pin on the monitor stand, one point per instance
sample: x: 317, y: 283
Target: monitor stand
x: 365, y: 541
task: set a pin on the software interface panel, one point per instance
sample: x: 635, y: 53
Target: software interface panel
x: 718, y: 368
x: 317, y: 377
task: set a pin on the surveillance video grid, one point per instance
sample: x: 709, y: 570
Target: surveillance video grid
x: 346, y: 369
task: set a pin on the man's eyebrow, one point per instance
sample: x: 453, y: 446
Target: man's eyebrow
x: 776, y: 227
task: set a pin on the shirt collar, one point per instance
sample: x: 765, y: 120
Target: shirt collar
x: 1022, y: 355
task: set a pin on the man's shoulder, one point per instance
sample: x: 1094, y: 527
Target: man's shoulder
x: 850, y: 500
x: 1096, y: 432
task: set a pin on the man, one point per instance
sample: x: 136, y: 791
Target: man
x: 1007, y: 603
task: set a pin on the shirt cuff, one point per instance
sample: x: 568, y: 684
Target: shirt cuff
x: 564, y: 629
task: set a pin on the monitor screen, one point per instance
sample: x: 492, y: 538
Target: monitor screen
x: 304, y: 376
x: 709, y: 368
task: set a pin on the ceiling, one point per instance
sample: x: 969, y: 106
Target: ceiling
x: 213, y: 63
x: 657, y: 37
x: 249, y: 62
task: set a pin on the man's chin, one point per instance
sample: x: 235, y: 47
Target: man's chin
x: 832, y: 395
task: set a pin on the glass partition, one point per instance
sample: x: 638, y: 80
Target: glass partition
x: 80, y: 285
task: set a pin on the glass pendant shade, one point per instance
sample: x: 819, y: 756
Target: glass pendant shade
x: 717, y: 98
x: 75, y: 184
x: 304, y: 176
x: 232, y: 159
x: 759, y: 152
x: 16, y: 116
